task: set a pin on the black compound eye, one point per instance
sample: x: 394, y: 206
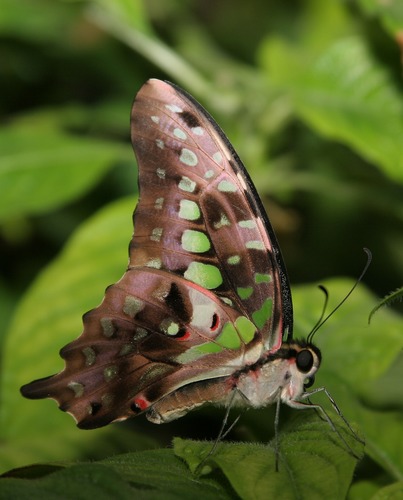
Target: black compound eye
x: 304, y: 361
x: 309, y: 382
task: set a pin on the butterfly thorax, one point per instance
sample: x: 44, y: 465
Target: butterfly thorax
x: 285, y: 374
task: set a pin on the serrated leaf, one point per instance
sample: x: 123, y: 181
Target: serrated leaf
x: 312, y: 464
x: 387, y: 300
x: 155, y: 474
x: 79, y: 482
x: 162, y: 471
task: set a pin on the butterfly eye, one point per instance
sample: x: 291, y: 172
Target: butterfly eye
x: 304, y: 360
x: 309, y: 381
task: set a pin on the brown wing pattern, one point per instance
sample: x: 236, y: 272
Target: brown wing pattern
x: 205, y: 292
x: 194, y: 187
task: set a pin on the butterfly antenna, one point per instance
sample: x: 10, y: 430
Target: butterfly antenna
x: 322, y: 314
x: 322, y: 321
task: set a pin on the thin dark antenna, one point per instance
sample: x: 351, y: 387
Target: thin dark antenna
x: 322, y: 321
x: 322, y: 314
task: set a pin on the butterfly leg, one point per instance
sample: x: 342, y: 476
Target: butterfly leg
x: 306, y: 395
x: 302, y: 406
x: 276, y: 425
x: 222, y: 432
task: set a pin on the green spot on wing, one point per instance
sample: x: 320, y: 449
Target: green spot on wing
x: 262, y: 278
x: 234, y: 259
x: 227, y: 187
x: 188, y: 210
x: 229, y: 337
x: 205, y: 275
x: 262, y: 315
x: 248, y: 224
x: 195, y: 241
x: 255, y: 245
x: 244, y: 292
x: 187, y: 184
x: 188, y: 157
x: 209, y: 348
x: 246, y: 328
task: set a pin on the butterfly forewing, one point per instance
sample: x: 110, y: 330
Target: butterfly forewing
x: 199, y: 215
x: 205, y: 293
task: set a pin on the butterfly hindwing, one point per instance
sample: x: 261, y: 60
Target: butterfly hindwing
x: 137, y: 345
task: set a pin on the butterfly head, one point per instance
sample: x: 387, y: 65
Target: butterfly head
x: 303, y: 360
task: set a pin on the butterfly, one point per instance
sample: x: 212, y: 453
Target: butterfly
x: 203, y: 313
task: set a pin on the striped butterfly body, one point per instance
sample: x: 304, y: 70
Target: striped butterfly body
x: 203, y: 313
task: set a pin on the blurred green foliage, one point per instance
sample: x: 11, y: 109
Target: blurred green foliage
x: 310, y: 94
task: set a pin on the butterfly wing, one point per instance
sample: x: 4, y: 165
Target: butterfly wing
x: 205, y: 292
x: 199, y: 215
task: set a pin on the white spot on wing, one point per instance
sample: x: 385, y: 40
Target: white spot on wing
x: 180, y: 134
x: 156, y: 234
x: 248, y: 224
x: 155, y: 263
x: 188, y: 157
x: 186, y: 184
x: 255, y: 245
x: 159, y: 202
x: 203, y: 310
x: 217, y: 157
x: 174, y: 108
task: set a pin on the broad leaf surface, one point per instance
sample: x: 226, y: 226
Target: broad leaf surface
x: 346, y: 95
x: 42, y: 168
x: 146, y: 475
x: 313, y: 463
x: 355, y: 355
x: 47, y: 318
x: 389, y: 13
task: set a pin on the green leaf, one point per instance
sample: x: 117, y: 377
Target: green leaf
x: 389, y: 13
x: 165, y: 474
x: 312, y: 463
x: 41, y: 21
x: 150, y: 475
x: 347, y: 95
x: 48, y: 317
x: 42, y: 168
x: 356, y: 359
x: 127, y: 13
x: 118, y: 19
x: 390, y: 492
x: 388, y: 300
x: 79, y: 481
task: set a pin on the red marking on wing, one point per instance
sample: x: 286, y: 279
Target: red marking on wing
x: 185, y: 336
x: 142, y: 403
